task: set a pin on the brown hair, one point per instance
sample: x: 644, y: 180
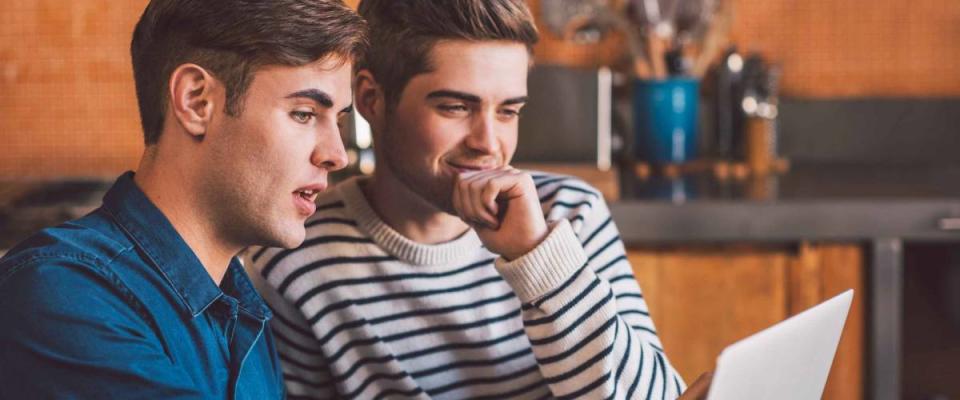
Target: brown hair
x: 232, y: 39
x: 402, y: 33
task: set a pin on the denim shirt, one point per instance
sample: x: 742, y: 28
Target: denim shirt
x: 116, y: 305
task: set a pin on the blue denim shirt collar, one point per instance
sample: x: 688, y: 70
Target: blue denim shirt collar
x: 169, y: 253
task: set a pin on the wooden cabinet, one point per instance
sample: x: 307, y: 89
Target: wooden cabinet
x: 703, y: 299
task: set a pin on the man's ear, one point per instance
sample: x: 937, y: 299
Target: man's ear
x: 370, y: 100
x: 193, y: 98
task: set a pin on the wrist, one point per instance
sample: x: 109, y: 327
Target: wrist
x: 537, y: 236
x: 545, y: 267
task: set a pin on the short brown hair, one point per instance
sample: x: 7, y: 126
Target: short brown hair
x: 232, y: 39
x: 402, y: 33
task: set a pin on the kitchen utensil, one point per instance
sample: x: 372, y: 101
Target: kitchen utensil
x: 665, y: 116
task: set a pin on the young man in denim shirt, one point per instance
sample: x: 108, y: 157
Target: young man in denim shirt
x: 143, y: 298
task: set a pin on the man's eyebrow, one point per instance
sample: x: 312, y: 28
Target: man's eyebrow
x: 515, y: 100
x: 473, y: 98
x: 319, y: 96
x: 454, y: 94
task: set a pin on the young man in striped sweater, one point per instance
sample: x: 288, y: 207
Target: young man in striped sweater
x: 450, y: 274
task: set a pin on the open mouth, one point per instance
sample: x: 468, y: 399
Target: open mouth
x: 308, y: 194
x: 305, y: 201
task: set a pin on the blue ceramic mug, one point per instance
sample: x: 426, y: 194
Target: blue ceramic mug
x: 665, y: 115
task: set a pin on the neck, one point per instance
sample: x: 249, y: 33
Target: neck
x: 408, y: 213
x: 170, y: 191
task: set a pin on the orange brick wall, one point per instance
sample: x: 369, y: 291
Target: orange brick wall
x: 67, y: 103
x: 829, y: 48
x: 843, y: 48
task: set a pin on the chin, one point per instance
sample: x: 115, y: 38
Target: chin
x: 440, y: 196
x: 293, y: 238
x: 287, y: 237
x: 439, y: 193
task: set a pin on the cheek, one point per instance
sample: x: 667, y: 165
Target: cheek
x: 282, y: 142
x: 234, y: 153
x: 441, y: 135
x: 265, y: 158
x: 250, y: 136
x: 415, y: 136
x: 509, y: 143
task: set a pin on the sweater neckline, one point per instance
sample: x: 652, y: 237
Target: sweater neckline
x: 395, y: 243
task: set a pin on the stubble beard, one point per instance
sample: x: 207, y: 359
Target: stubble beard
x: 242, y: 219
x: 435, y: 190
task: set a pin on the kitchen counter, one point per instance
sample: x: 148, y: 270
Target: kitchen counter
x: 840, y: 203
x: 883, y: 207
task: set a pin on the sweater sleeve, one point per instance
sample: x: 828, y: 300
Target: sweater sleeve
x: 585, y: 315
x: 306, y: 373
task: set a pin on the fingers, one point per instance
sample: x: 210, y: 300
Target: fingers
x: 480, y: 196
x: 467, y: 207
x: 460, y: 203
x: 476, y: 205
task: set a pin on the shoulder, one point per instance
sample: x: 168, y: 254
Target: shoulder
x: 65, y: 312
x: 568, y: 197
x: 52, y: 280
x: 67, y: 267
x: 554, y: 188
x: 61, y: 293
x: 91, y: 244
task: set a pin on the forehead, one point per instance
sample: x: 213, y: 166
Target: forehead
x: 487, y: 68
x: 331, y: 75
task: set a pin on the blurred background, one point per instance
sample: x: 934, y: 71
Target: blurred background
x: 759, y: 156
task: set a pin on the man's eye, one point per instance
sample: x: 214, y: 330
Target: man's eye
x: 455, y: 108
x: 510, y: 113
x: 302, y: 116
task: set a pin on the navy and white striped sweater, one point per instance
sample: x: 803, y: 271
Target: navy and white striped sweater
x: 362, y: 312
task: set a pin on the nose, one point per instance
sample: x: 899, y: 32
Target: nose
x: 329, y: 153
x: 483, y: 134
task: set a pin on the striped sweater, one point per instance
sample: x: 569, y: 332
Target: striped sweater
x: 363, y: 312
